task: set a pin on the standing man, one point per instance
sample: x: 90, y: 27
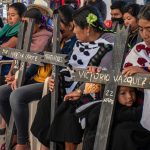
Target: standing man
x: 117, y: 13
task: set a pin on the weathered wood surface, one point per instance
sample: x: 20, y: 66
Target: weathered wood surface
x: 33, y: 58
x: 56, y: 49
x: 137, y: 80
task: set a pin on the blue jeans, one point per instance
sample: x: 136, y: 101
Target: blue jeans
x: 17, y: 102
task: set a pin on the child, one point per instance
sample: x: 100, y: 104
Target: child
x: 8, y: 34
x: 126, y: 110
x: 130, y: 14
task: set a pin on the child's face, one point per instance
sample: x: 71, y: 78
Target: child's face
x: 12, y: 16
x: 130, y: 20
x: 126, y: 96
x: 144, y: 29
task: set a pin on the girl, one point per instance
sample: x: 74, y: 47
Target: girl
x: 8, y: 38
x: 126, y: 110
x: 130, y: 14
x: 8, y: 34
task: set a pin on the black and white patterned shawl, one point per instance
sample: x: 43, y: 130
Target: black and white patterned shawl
x: 83, y: 55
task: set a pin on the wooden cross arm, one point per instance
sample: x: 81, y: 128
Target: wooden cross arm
x: 4, y: 62
x: 29, y: 57
x: 137, y: 80
x: 55, y: 59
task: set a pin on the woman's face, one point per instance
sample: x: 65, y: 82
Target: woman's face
x: 144, y: 29
x: 129, y: 20
x: 65, y: 30
x: 12, y: 16
x: 126, y: 96
x: 81, y: 34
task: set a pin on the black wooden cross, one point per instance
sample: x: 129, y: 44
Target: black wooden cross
x: 55, y: 70
x: 112, y: 79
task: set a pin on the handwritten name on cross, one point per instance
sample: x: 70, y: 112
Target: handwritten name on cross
x: 112, y: 79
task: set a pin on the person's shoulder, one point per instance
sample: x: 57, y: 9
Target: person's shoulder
x: 109, y: 37
x: 43, y: 32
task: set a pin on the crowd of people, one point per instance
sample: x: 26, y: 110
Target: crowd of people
x: 88, y: 42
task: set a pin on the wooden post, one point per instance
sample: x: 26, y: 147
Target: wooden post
x: 56, y: 49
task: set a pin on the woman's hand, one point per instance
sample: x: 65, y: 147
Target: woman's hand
x: 14, y: 85
x: 9, y: 78
x: 94, y: 69
x: 51, y: 84
x: 129, y: 71
x: 73, y: 96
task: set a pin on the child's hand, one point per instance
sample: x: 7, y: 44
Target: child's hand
x: 75, y: 95
x: 51, y: 84
x: 94, y: 69
x: 14, y: 85
x: 9, y: 78
x: 129, y: 71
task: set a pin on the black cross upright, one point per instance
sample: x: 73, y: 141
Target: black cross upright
x: 112, y: 79
x: 55, y: 70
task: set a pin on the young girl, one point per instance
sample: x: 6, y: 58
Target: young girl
x: 130, y: 14
x: 8, y: 38
x: 126, y: 110
x: 8, y: 34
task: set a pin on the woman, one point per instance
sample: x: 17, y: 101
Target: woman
x: 8, y: 38
x: 130, y: 14
x: 8, y: 34
x: 12, y: 96
x: 91, y: 48
x: 126, y: 109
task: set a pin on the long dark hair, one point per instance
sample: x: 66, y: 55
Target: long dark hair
x: 34, y: 13
x: 20, y: 8
x: 145, y: 12
x: 66, y: 13
x: 81, y: 14
x: 132, y: 9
